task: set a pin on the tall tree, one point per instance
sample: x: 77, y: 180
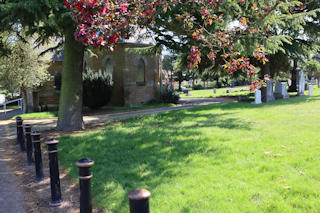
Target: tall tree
x: 20, y: 68
x: 50, y: 19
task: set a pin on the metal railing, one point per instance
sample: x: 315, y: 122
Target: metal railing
x: 20, y: 104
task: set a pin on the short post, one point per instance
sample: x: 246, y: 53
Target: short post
x: 84, y: 178
x: 139, y: 201
x: 27, y: 129
x: 37, y: 155
x: 54, y: 172
x: 21, y: 135
x: 17, y: 121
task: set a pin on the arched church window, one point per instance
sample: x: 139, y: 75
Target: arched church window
x: 109, y: 67
x: 141, y: 71
x: 57, y: 80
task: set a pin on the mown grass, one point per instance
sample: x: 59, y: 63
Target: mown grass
x: 37, y: 115
x: 235, y: 157
x: 208, y: 93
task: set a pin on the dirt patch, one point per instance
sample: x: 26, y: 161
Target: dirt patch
x: 37, y: 195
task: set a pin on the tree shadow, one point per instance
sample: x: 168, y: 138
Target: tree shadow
x: 144, y: 152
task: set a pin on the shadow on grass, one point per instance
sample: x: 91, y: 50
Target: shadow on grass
x: 144, y: 152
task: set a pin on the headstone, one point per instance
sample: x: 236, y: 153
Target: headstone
x: 214, y: 90
x: 306, y: 85
x: 302, y: 82
x: 257, y: 97
x: 267, y: 92
x: 2, y: 98
x: 281, y: 90
x: 310, y: 89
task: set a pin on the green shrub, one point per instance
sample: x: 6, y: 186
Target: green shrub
x: 97, y: 89
x: 168, y: 95
x: 197, y: 87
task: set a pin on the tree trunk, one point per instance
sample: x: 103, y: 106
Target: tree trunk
x: 265, y: 70
x: 192, y: 81
x: 70, y: 103
x: 293, y: 86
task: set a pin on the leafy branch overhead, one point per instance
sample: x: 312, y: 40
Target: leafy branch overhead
x: 207, y: 28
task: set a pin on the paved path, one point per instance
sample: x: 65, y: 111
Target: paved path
x: 11, y: 199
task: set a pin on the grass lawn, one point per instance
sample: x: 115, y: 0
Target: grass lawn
x: 37, y: 115
x: 235, y: 157
x: 208, y: 93
x: 10, y: 107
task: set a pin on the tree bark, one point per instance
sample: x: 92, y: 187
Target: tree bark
x: 293, y: 86
x: 70, y: 103
x: 265, y: 70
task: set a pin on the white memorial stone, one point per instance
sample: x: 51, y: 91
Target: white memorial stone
x: 257, y: 97
x: 302, y: 82
x: 310, y: 89
x: 2, y: 98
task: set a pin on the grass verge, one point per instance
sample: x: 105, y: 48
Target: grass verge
x: 37, y: 115
x: 208, y: 93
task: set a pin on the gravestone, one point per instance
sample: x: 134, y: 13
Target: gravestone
x: 257, y: 97
x: 2, y: 98
x: 267, y: 92
x: 310, y: 89
x: 281, y: 90
x: 306, y: 85
x: 302, y: 82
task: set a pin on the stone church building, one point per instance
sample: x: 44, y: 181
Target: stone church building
x: 136, y: 78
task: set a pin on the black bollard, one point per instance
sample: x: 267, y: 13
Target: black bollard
x: 84, y: 178
x: 139, y: 201
x: 37, y: 155
x: 27, y: 129
x: 21, y: 135
x: 54, y: 172
x: 17, y: 121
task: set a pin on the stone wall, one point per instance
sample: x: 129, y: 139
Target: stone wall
x: 47, y: 96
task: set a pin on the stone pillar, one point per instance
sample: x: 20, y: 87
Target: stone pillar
x: 257, y: 97
x: 267, y: 92
x: 302, y: 82
x: 310, y: 89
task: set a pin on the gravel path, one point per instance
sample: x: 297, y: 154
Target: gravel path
x: 11, y: 199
